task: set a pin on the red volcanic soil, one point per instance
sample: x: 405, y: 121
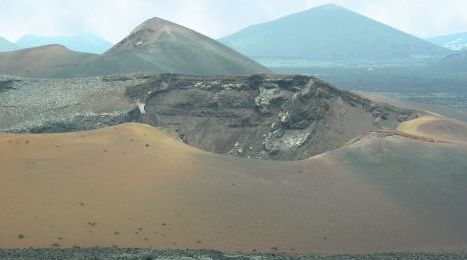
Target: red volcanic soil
x: 133, y: 186
x: 39, y: 61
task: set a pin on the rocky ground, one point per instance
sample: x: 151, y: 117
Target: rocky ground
x: 282, y: 117
x: 39, y: 105
x: 149, y: 254
x: 268, y: 117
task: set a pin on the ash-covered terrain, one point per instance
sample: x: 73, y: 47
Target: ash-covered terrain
x: 261, y: 116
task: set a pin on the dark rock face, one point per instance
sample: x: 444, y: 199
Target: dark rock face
x: 6, y: 85
x: 263, y: 116
x: 267, y: 117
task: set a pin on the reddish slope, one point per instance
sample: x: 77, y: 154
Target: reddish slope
x: 41, y: 61
x: 161, y: 46
x: 133, y: 186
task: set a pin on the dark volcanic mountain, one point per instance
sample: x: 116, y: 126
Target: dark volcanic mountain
x: 163, y: 47
x: 6, y: 45
x: 42, y: 61
x: 330, y: 34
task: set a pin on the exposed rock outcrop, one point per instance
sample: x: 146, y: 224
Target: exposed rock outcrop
x: 262, y: 116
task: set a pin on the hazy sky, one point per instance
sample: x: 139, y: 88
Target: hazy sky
x: 114, y: 19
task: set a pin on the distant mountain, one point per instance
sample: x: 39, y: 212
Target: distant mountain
x: 454, y: 42
x: 456, y: 62
x: 41, y: 61
x: 161, y: 46
x: 82, y: 43
x: 5, y: 45
x: 156, y: 46
x: 330, y: 34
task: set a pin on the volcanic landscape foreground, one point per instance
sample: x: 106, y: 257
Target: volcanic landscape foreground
x: 132, y: 185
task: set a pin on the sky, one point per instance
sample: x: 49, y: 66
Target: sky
x: 114, y: 19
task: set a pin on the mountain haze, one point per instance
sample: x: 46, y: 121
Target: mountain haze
x: 82, y: 42
x: 455, y: 42
x: 6, y: 45
x: 330, y: 34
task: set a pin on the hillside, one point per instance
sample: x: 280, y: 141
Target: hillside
x: 159, y: 46
x: 132, y: 185
x: 6, y: 45
x: 41, y: 61
x: 456, y: 62
x: 330, y: 35
x: 89, y: 43
x: 455, y: 42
